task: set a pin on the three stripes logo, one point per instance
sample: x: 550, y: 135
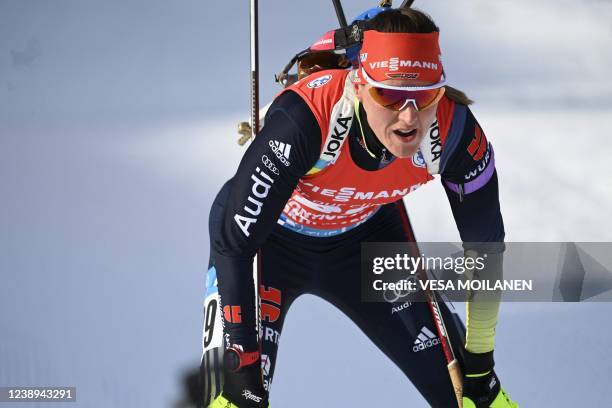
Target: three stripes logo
x: 425, y: 340
x: 281, y: 151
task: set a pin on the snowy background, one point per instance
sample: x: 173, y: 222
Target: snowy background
x: 117, y: 127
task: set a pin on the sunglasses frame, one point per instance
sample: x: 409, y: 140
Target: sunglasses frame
x: 437, y: 98
x: 439, y: 85
x: 403, y: 88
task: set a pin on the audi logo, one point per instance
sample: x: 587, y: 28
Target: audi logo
x: 268, y: 163
x: 394, y: 296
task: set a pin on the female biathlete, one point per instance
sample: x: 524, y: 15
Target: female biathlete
x: 338, y: 151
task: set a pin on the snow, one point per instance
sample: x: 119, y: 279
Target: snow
x: 118, y: 126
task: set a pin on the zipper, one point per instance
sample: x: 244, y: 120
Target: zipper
x: 384, y: 155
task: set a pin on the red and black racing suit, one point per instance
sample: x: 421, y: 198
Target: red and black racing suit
x: 293, y: 263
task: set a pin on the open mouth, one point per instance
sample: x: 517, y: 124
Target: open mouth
x: 405, y: 133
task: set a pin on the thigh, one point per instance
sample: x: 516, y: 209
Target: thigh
x: 406, y: 334
x: 279, y: 285
x: 404, y: 331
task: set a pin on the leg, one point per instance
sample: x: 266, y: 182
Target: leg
x: 278, y: 289
x: 404, y: 332
x: 276, y: 298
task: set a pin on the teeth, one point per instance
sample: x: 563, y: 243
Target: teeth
x: 405, y: 132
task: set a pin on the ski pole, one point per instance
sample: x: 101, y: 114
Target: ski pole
x: 255, y: 127
x: 249, y: 130
x: 254, y: 68
x: 406, y: 4
x: 454, y: 370
x: 340, y: 13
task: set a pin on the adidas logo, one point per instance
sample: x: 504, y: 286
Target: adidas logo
x: 425, y: 340
x: 283, y: 147
x: 281, y: 151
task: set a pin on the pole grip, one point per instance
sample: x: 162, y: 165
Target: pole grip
x: 454, y: 370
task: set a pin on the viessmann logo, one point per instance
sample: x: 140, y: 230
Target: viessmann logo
x: 394, y: 64
x: 346, y: 194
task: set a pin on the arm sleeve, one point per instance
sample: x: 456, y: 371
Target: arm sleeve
x: 470, y: 181
x: 284, y: 150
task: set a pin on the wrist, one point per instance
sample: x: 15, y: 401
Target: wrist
x: 236, y: 358
x: 477, y: 363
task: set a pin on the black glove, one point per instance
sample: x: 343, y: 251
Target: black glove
x: 481, y: 387
x: 482, y: 390
x: 245, y: 387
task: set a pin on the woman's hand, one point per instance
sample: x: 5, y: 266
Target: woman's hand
x: 244, y: 388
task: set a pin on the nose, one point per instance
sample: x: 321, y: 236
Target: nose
x: 409, y: 113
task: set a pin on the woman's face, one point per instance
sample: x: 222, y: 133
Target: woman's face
x: 401, y: 132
